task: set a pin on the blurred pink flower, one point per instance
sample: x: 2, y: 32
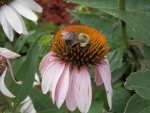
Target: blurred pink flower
x: 5, y: 55
x: 65, y: 73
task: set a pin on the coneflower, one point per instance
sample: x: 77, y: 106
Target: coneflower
x: 64, y: 69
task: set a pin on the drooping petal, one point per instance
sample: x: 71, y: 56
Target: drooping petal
x: 6, y: 27
x: 27, y: 13
x: 8, y: 54
x: 12, y: 73
x: 30, y: 4
x: 98, y: 79
x: 62, y: 87
x: 83, y: 90
x: 109, y: 71
x: 3, y: 88
x: 46, y: 61
x: 58, y: 72
x: 52, y: 72
x: 12, y: 19
x: 70, y: 99
x: 47, y: 76
x: 104, y: 71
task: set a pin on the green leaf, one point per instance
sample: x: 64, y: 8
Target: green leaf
x: 21, y: 41
x: 116, y: 58
x: 90, y: 19
x: 118, y: 68
x: 145, y: 51
x: 140, y: 82
x: 43, y: 103
x: 135, y: 20
x: 136, y: 104
x: 96, y: 3
x: 120, y: 98
x: 96, y: 107
x: 26, y: 73
x: 144, y: 62
x: 112, y: 4
x: 102, y: 24
x: 136, y: 5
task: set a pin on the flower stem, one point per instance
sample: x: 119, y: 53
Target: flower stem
x: 123, y: 24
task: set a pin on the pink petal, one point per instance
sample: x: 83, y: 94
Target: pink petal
x: 98, y: 78
x: 62, y: 87
x: 109, y: 71
x: 57, y: 74
x: 3, y: 88
x: 104, y: 71
x: 8, y: 54
x: 46, y: 61
x: 70, y: 100
x: 47, y: 77
x: 83, y: 90
x: 52, y: 72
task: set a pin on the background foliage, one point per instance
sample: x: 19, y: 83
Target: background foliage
x: 129, y: 56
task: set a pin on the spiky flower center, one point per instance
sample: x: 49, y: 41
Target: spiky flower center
x: 3, y: 2
x: 80, y: 45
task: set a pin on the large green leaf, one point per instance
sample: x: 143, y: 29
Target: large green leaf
x: 140, y: 82
x: 120, y: 98
x: 140, y: 26
x: 136, y: 104
x: 112, y: 4
x: 26, y: 73
x: 136, y: 5
x: 96, y: 3
x: 96, y: 107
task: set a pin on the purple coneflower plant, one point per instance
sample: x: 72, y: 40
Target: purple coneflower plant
x: 65, y: 69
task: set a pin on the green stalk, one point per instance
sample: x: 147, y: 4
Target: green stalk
x: 123, y: 24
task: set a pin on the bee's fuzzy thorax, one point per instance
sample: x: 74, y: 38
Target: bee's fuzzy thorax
x: 74, y: 54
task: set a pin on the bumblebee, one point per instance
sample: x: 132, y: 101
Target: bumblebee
x: 72, y: 37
